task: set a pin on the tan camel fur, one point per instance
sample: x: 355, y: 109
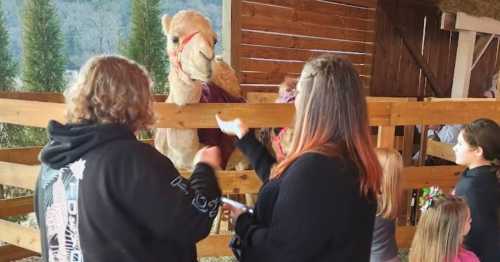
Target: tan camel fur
x: 190, y: 46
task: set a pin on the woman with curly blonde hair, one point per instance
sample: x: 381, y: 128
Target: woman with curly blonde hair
x: 102, y: 194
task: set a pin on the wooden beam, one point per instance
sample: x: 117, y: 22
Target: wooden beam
x: 226, y: 31
x: 441, y: 150
x: 246, y: 181
x: 448, y: 21
x: 482, y: 44
x: 21, y: 155
x: 386, y: 136
x: 20, y: 236
x: 420, y: 61
x: 28, y: 113
x: 261, y: 97
x: 407, y: 150
x: 235, y: 36
x: 468, y: 22
x: 52, y: 97
x: 404, y: 236
x: 362, y: 3
x: 13, y: 253
x: 497, y: 91
x: 463, y: 64
x: 16, y: 206
x: 18, y: 175
x: 214, y: 246
x: 34, y: 96
x: 431, y: 113
x: 25, y: 176
x: 426, y: 176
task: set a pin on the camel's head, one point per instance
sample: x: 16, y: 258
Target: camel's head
x: 190, y: 43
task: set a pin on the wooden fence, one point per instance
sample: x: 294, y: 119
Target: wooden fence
x: 19, y: 167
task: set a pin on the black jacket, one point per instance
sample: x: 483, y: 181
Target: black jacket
x: 104, y: 196
x: 480, y: 188
x: 313, y: 212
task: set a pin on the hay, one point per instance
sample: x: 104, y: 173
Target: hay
x: 489, y: 8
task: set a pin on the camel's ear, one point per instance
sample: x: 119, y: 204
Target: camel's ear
x: 165, y: 23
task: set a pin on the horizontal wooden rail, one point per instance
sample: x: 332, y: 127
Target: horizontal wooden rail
x: 29, y: 155
x: 13, y: 253
x: 18, y: 175
x: 28, y: 113
x: 16, y: 206
x: 51, y: 96
x: 21, y: 155
x: 440, y: 149
x: 28, y: 238
x: 212, y: 246
x: 24, y: 176
x: 20, y: 236
x: 425, y: 176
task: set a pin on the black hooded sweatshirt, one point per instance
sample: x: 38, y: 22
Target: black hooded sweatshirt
x: 104, y: 196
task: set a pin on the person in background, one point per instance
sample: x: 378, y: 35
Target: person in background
x: 384, y: 247
x: 102, y: 195
x: 477, y: 148
x: 440, y: 232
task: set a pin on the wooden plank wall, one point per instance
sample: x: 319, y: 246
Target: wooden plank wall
x: 277, y: 36
x: 395, y: 72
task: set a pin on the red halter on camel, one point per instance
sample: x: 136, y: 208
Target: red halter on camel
x: 175, y: 59
x: 211, y: 93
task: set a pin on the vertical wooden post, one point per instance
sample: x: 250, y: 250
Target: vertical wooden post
x: 235, y: 36
x: 409, y: 132
x: 497, y: 90
x: 463, y: 65
x: 385, y: 137
x: 226, y: 31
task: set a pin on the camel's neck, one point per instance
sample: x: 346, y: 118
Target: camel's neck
x: 182, y: 89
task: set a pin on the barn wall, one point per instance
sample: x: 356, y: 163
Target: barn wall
x: 277, y: 36
x: 396, y: 73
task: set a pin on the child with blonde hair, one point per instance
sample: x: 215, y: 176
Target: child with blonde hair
x: 384, y: 248
x: 444, y: 223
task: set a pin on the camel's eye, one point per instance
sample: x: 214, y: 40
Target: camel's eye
x: 175, y: 39
x: 215, y: 41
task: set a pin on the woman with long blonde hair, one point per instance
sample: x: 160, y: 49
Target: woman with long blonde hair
x: 441, y: 230
x: 384, y: 248
x: 319, y: 202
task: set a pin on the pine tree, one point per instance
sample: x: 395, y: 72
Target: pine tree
x: 7, y: 66
x: 43, y: 61
x: 146, y: 44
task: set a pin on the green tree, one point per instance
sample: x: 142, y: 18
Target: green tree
x: 146, y: 43
x: 43, y: 60
x: 7, y: 66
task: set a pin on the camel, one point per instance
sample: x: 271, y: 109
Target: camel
x: 194, y: 72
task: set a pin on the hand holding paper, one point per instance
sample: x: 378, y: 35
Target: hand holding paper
x: 232, y: 127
